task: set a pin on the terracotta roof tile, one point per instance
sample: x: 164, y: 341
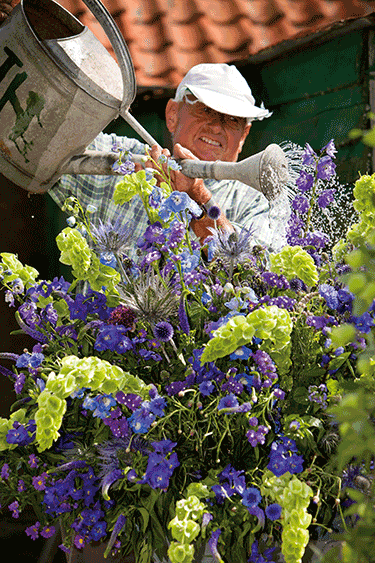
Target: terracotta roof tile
x: 260, y: 12
x: 184, y: 12
x: 167, y: 37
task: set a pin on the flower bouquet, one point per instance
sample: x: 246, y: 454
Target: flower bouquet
x: 177, y: 398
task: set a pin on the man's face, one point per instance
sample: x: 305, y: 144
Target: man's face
x: 208, y: 134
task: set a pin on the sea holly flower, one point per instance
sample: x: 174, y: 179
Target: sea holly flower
x: 163, y: 331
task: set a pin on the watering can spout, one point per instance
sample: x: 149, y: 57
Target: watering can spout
x: 266, y: 171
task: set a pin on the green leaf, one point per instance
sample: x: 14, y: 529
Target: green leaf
x: 146, y: 517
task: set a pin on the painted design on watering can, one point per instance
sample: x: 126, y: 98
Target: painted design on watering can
x: 34, y: 103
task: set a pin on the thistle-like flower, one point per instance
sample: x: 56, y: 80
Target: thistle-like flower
x: 150, y: 297
x: 113, y: 238
x: 231, y: 248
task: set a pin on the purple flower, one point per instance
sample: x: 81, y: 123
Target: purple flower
x: 256, y: 557
x: 305, y: 181
x: 212, y: 542
x: 325, y: 198
x: 295, y: 464
x: 5, y: 474
x: 33, y: 461
x: 330, y: 149
x: 33, y: 531
x: 232, y: 385
x: 214, y: 213
x: 163, y: 331
x: 13, y: 507
x: 251, y: 497
x: 325, y: 168
x: 273, y: 511
x: 21, y: 487
x: 19, y: 435
x: 308, y: 156
x: 279, y: 394
x: 48, y: 531
x: 301, y: 204
x: 39, y: 482
x: 79, y: 541
x: 130, y: 400
x: 182, y: 316
x: 163, y: 447
x: 206, y: 388
x: 228, y: 402
x: 19, y: 383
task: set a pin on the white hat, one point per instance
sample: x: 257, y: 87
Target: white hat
x: 222, y: 88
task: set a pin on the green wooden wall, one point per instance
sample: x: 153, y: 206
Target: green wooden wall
x: 317, y: 93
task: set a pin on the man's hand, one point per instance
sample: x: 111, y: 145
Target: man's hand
x: 194, y: 187
x: 6, y: 6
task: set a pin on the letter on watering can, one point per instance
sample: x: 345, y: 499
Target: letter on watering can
x: 34, y: 103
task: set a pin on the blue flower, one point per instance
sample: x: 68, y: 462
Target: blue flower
x: 163, y: 447
x: 163, y: 331
x: 364, y: 322
x: 141, y: 420
x: 273, y: 511
x: 179, y: 201
x: 228, y: 402
x: 329, y: 293
x: 206, y: 388
x: 242, y: 353
x: 188, y: 261
x: 27, y: 360
x: 251, y: 497
x: 99, y: 530
x: 278, y: 465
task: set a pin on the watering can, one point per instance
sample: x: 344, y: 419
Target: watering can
x: 59, y: 88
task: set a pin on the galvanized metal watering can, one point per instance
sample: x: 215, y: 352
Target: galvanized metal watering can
x: 59, y: 88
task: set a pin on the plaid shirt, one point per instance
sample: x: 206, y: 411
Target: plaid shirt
x: 242, y: 205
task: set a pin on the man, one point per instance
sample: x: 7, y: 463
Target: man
x: 209, y: 119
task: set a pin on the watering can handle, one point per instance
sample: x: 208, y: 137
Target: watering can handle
x: 125, y: 63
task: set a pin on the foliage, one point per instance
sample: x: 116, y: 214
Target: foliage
x: 179, y: 401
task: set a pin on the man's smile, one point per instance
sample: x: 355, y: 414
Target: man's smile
x: 210, y: 141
